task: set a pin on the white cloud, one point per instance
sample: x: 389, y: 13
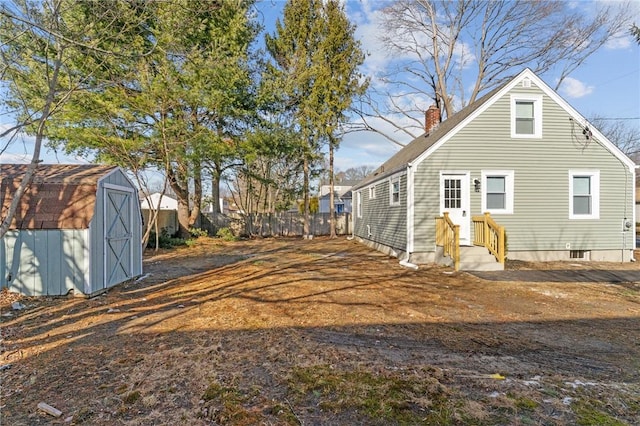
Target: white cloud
x: 574, y: 88
x: 368, y: 20
x: 371, y: 148
x: 9, y: 158
x: 364, y: 149
x: 463, y: 53
x: 619, y: 41
x: 20, y: 150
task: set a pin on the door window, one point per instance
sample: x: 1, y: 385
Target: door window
x: 452, y: 193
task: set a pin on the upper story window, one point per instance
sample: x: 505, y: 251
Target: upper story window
x: 372, y: 192
x: 526, y: 116
x: 497, y: 193
x: 359, y: 204
x: 394, y: 191
x: 584, y: 194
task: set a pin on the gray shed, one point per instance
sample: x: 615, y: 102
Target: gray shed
x: 78, y: 227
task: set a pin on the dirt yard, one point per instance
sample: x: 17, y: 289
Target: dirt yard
x: 324, y: 332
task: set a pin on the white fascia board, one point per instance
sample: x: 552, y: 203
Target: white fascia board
x: 471, y: 117
x: 527, y: 73
x: 577, y: 117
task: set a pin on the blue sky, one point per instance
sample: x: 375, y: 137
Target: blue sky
x: 607, y: 85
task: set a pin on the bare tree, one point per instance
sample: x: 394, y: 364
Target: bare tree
x: 49, y: 53
x: 358, y: 173
x: 451, y: 52
x: 620, y: 132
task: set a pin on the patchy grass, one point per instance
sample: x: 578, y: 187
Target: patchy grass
x: 232, y: 406
x: 523, y: 403
x: 593, y: 408
x: 392, y: 398
x: 589, y: 415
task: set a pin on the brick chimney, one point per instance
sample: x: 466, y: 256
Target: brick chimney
x: 431, y: 119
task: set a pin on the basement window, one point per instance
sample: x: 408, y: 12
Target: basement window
x: 580, y: 254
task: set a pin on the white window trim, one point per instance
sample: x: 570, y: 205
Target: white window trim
x: 359, y: 204
x: 372, y: 192
x: 537, y: 115
x: 392, y: 180
x: 595, y: 194
x: 509, y: 176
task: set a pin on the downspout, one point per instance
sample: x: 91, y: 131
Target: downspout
x: 353, y: 225
x: 410, y: 219
x: 633, y: 214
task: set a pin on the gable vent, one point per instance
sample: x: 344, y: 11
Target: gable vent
x: 526, y: 82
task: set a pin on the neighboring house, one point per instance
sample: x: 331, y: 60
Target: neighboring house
x: 167, y: 214
x: 342, y: 200
x: 77, y: 228
x: 559, y: 188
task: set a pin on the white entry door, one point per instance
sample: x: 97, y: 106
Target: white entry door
x: 454, y: 198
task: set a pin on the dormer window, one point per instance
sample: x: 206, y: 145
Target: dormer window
x: 526, y: 116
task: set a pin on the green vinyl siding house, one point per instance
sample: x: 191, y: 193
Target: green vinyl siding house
x: 556, y: 185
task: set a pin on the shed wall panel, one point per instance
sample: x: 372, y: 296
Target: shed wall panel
x: 44, y: 262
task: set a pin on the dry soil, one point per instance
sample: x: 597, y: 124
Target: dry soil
x: 288, y: 331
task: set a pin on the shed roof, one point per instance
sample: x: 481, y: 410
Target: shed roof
x: 61, y: 196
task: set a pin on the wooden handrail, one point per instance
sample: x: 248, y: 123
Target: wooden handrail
x: 448, y: 236
x: 487, y: 233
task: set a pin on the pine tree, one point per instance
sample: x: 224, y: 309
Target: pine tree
x: 313, y: 74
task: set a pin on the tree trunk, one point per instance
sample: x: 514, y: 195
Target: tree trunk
x: 178, y: 183
x: 215, y: 190
x: 305, y: 190
x: 194, y: 218
x: 332, y: 213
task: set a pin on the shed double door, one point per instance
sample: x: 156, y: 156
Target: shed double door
x: 118, y: 236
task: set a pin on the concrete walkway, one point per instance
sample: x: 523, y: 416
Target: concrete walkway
x: 562, y: 276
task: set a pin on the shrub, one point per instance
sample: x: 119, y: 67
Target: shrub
x: 165, y: 241
x: 226, y: 234
x: 198, y: 232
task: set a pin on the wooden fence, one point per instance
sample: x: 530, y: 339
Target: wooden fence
x: 284, y: 224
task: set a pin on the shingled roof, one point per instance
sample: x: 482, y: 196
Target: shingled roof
x: 420, y: 144
x: 61, y: 196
